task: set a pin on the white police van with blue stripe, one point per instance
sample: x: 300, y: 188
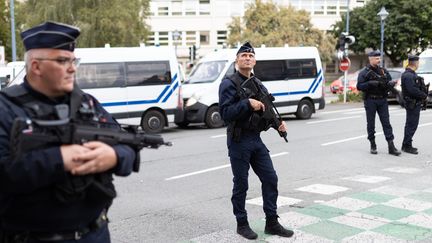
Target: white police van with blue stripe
x: 294, y: 76
x: 137, y: 85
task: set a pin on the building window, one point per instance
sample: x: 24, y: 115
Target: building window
x: 163, y: 11
x: 176, y: 7
x: 221, y: 37
x: 151, y: 39
x: 190, y: 38
x: 204, y: 7
x: 163, y: 38
x: 204, y: 38
x: 190, y: 8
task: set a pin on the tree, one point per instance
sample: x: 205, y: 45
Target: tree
x: 408, y: 27
x: 5, y: 35
x: 272, y: 25
x: 117, y: 22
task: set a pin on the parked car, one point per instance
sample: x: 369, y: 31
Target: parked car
x: 337, y: 86
x: 395, y: 94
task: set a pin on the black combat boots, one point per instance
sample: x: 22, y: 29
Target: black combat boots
x: 409, y: 149
x: 273, y: 227
x: 244, y: 230
x: 373, y: 147
x: 392, y: 149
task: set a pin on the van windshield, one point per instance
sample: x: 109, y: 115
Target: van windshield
x: 206, y: 72
x: 425, y: 65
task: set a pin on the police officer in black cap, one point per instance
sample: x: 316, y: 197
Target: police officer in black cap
x: 413, y: 96
x: 57, y: 192
x: 245, y: 147
x: 375, y: 81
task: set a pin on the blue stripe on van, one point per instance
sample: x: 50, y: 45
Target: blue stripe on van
x: 174, y: 84
x: 311, y: 88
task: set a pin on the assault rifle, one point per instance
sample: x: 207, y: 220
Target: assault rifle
x: 425, y: 89
x: 271, y: 114
x: 29, y: 134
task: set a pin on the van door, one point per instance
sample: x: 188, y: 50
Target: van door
x: 107, y: 82
x: 149, y: 87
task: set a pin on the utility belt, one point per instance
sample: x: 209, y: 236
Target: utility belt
x: 411, y: 103
x: 24, y: 237
x: 375, y: 97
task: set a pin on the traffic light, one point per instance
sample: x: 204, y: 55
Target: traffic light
x: 342, y: 45
x: 192, y: 53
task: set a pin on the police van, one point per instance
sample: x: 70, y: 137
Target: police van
x: 137, y: 85
x: 425, y: 69
x: 293, y: 75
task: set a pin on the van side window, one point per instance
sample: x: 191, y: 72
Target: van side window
x: 271, y: 70
x: 100, y: 75
x: 148, y: 73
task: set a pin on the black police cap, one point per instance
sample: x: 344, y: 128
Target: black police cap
x: 375, y: 53
x: 246, y: 47
x: 50, y: 35
x: 413, y: 58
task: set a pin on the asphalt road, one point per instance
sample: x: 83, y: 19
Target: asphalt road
x: 182, y: 193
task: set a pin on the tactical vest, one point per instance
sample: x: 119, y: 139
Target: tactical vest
x: 93, y: 187
x: 378, y: 90
x: 255, y: 122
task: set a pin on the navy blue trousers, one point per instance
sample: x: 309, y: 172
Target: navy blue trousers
x: 411, y: 124
x: 250, y: 151
x: 380, y: 106
x: 99, y: 236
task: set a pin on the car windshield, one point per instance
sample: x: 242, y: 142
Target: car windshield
x: 206, y: 72
x: 425, y: 65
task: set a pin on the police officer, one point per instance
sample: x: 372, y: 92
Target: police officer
x: 375, y: 82
x: 41, y: 197
x: 413, y: 95
x: 246, y: 148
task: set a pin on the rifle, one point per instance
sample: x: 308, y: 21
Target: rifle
x: 424, y: 88
x: 29, y: 134
x: 270, y: 114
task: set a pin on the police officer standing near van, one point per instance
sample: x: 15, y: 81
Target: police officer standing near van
x: 375, y: 81
x: 246, y: 148
x: 413, y: 96
x: 57, y: 192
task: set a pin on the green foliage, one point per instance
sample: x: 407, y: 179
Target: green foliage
x: 351, y: 97
x: 5, y: 35
x: 117, y: 22
x: 272, y: 25
x: 408, y: 28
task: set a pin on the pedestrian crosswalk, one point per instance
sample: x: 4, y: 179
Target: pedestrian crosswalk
x: 387, y: 212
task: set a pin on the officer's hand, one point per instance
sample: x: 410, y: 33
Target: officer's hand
x: 282, y: 127
x: 373, y: 83
x: 256, y: 105
x: 391, y: 83
x: 100, y: 158
x: 70, y: 155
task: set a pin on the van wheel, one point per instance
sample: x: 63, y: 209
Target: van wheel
x: 304, y: 109
x: 153, y: 121
x: 213, y: 118
x: 182, y: 124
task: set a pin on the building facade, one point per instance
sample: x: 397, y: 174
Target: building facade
x: 203, y: 23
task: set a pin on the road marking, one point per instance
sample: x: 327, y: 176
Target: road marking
x: 367, y: 179
x: 198, y: 172
x: 322, y: 189
x: 340, y: 111
x: 348, y: 139
x: 214, y: 168
x: 281, y: 201
x: 219, y: 136
x: 334, y: 119
x: 391, y: 110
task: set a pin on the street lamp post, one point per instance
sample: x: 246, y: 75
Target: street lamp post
x: 176, y: 36
x: 383, y: 15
